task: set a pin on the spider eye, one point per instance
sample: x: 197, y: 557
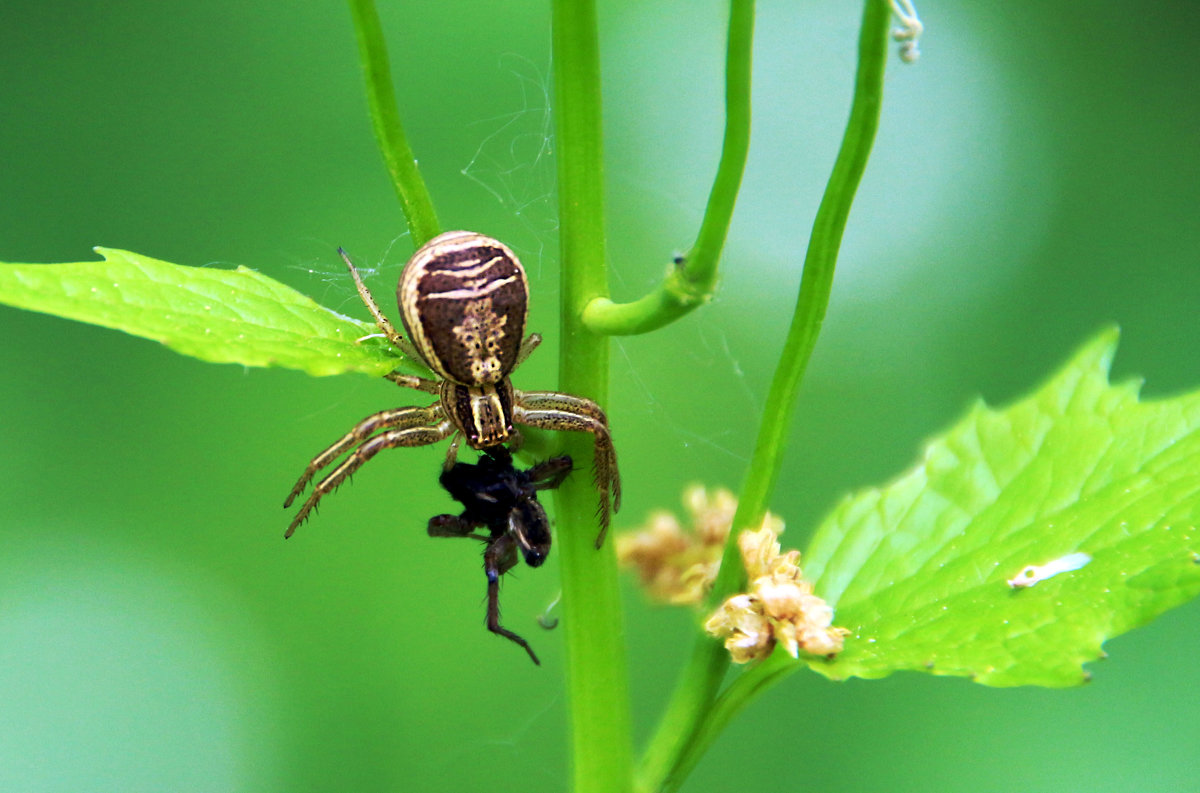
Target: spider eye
x: 534, y: 557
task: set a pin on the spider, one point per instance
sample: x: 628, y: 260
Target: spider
x: 502, y: 499
x: 463, y: 299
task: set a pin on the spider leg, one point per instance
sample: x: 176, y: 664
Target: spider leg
x: 455, y: 526
x: 554, y: 411
x: 405, y: 346
x: 498, y: 559
x: 529, y: 345
x: 412, y: 381
x: 411, y: 436
x: 396, y: 418
x: 549, y: 474
x: 578, y: 414
x: 452, y: 452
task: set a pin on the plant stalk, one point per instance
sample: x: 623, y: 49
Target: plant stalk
x: 389, y: 131
x: 685, y: 729
x: 597, y: 670
x: 692, y: 280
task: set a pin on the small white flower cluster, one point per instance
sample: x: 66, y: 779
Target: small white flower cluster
x: 779, y: 608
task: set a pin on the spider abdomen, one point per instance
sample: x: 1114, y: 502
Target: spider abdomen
x: 464, y: 300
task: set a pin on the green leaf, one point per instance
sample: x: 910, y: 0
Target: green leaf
x: 918, y: 570
x: 221, y: 316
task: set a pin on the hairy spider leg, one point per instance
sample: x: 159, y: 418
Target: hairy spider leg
x: 415, y: 427
x: 395, y: 337
x: 548, y: 475
x: 384, y: 324
x: 498, y: 559
x: 554, y: 411
x: 395, y: 418
x: 581, y: 415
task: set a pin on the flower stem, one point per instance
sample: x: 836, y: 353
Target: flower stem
x: 815, y: 285
x: 691, y: 722
x: 385, y: 120
x: 597, y: 674
x: 692, y: 281
x: 743, y: 690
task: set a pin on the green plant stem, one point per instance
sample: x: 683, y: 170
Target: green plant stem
x: 741, y: 691
x: 597, y: 670
x: 691, y: 282
x: 683, y: 731
x: 385, y: 120
x: 815, y: 285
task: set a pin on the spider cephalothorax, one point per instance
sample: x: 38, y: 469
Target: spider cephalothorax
x: 464, y: 301
x: 502, y: 499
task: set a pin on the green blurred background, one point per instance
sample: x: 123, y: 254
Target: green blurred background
x: 1036, y: 175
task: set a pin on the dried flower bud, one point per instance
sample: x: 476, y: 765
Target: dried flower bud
x: 712, y: 514
x: 745, y: 628
x: 678, y: 565
x: 779, y: 608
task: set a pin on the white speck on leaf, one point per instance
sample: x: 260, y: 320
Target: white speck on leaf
x: 1034, y: 574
